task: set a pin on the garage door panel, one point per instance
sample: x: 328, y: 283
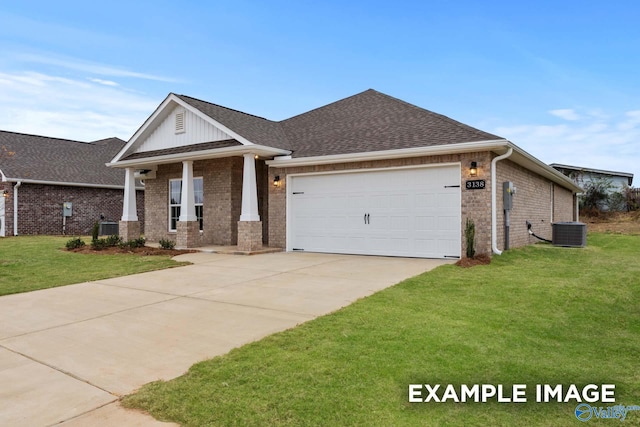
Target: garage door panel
x: 410, y: 212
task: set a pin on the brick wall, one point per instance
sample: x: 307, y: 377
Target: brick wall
x: 222, y: 204
x: 476, y: 204
x: 564, y: 204
x: 532, y: 202
x: 40, y: 208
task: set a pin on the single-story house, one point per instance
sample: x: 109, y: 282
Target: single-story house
x: 583, y: 176
x: 369, y: 174
x: 59, y: 186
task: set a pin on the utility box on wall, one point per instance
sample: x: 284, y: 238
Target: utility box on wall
x: 67, y: 209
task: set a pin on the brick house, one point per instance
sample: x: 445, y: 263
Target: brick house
x: 39, y: 174
x: 369, y: 174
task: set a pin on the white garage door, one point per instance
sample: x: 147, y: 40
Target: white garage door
x: 413, y: 212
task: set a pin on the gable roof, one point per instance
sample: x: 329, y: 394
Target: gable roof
x: 372, y: 121
x: 366, y: 122
x: 45, y: 160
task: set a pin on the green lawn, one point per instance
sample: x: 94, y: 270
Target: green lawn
x: 537, y: 315
x: 28, y: 263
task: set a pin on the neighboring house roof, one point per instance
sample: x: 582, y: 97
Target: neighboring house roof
x: 580, y: 169
x: 41, y: 159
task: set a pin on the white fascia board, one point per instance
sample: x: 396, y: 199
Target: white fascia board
x: 464, y: 147
x: 66, y: 184
x: 4, y: 177
x: 260, y: 150
x: 530, y: 162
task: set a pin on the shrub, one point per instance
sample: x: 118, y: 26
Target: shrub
x: 132, y: 244
x: 95, y: 232
x: 109, y: 242
x: 167, y: 244
x: 596, y: 194
x: 74, y: 243
x: 470, y: 238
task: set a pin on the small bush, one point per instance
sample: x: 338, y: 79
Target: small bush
x: 109, y: 242
x: 132, y: 244
x: 74, y: 243
x: 470, y: 238
x: 95, y: 232
x: 167, y: 244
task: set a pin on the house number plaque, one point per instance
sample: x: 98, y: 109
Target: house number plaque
x: 476, y: 184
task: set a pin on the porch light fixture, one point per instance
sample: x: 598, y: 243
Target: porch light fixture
x: 473, y: 170
x: 276, y: 181
x: 5, y: 193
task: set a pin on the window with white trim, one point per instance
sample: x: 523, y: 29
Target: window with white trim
x: 175, y: 199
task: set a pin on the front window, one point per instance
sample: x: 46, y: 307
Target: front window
x: 175, y: 198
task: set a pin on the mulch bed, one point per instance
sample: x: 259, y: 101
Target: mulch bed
x: 472, y: 262
x: 87, y: 249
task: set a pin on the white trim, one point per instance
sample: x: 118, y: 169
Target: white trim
x: 463, y: 147
x: 260, y: 150
x: 362, y: 170
x: 179, y: 204
x: 67, y: 184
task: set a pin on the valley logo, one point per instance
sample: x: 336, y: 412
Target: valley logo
x: 585, y: 412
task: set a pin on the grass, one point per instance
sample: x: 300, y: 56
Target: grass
x: 28, y: 263
x: 536, y: 315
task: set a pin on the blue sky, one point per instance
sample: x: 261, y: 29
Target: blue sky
x: 558, y: 78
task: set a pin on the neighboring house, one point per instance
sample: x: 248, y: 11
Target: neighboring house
x: 583, y: 176
x: 369, y: 174
x: 42, y: 173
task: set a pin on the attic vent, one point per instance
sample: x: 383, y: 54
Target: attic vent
x: 180, y: 128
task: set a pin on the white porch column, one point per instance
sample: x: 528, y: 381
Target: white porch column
x: 129, y: 210
x: 249, y: 190
x: 188, y: 204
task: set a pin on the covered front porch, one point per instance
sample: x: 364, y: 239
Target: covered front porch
x: 204, y: 201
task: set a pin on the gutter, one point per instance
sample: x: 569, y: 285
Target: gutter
x: 15, y: 207
x: 67, y: 184
x: 494, y: 214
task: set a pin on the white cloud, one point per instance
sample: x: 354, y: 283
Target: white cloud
x: 89, y: 67
x: 104, y: 82
x: 566, y: 114
x: 50, y: 105
x: 601, y: 141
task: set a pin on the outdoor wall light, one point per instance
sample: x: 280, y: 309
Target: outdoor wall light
x: 276, y: 181
x: 5, y: 193
x: 473, y: 170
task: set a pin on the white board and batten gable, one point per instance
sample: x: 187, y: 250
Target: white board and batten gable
x: 181, y: 127
x: 176, y: 124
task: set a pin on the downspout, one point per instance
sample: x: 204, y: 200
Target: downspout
x: 15, y: 207
x: 494, y: 215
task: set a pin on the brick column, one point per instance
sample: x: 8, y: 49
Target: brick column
x: 188, y: 234
x: 249, y: 235
x: 129, y: 230
x: 129, y: 227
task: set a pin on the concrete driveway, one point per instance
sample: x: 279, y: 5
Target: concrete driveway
x: 67, y: 354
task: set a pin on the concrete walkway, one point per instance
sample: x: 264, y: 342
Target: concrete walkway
x: 68, y: 354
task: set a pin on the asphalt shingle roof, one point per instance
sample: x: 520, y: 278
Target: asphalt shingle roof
x: 373, y: 121
x: 256, y: 129
x: 48, y: 159
x: 365, y: 122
